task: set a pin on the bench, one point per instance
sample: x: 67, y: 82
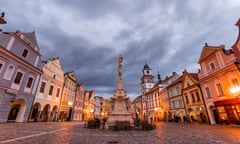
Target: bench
x: 93, y: 124
x: 146, y: 126
x: 122, y: 125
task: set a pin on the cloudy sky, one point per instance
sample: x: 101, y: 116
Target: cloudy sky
x: 89, y: 35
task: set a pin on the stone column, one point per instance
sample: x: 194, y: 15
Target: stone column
x: 120, y: 60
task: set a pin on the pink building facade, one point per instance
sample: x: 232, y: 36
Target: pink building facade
x: 219, y: 78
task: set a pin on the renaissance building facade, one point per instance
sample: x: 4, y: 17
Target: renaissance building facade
x: 20, y: 69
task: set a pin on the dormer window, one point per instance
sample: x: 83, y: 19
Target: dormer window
x: 25, y: 53
x: 212, y: 65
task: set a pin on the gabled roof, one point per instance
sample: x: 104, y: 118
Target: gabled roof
x: 179, y: 80
x: 192, y: 76
x: 32, y: 37
x: 209, y: 50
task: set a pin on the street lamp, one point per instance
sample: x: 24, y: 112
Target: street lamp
x: 70, y: 103
x: 235, y: 90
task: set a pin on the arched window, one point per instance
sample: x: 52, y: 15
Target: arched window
x: 9, y: 72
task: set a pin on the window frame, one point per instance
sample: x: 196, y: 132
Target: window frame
x: 31, y: 84
x: 9, y: 74
x: 18, y: 80
x: 2, y: 65
x: 25, y: 52
x: 212, y: 65
x: 208, y: 93
x: 50, y: 92
x: 220, y: 89
x: 42, y: 88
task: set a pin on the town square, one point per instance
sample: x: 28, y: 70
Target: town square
x: 119, y: 71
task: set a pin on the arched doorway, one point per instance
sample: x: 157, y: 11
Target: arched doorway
x: 45, y: 113
x: 17, y: 111
x: 182, y: 114
x: 35, y: 112
x: 193, y: 116
x: 53, y: 116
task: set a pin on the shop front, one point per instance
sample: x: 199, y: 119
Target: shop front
x: 228, y: 111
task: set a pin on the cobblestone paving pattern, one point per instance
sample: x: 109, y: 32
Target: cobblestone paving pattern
x: 75, y: 133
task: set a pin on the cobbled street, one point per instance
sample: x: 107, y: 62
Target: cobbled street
x: 75, y: 133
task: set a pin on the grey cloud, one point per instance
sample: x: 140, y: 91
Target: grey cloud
x: 168, y: 35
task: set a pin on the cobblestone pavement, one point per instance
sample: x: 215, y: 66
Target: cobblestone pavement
x: 75, y: 133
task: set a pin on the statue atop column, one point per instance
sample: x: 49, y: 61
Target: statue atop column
x: 120, y: 60
x: 120, y: 102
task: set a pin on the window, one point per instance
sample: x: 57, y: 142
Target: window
x: 29, y: 82
x: 180, y: 103
x: 193, y: 98
x: 18, y: 78
x: 170, y: 92
x: 235, y: 82
x: 220, y: 90
x: 8, y: 74
x: 212, y: 65
x: 208, y: 92
x: 50, y: 90
x: 42, y: 88
x: 186, y: 97
x: 25, y: 53
x: 1, y: 65
x: 58, y: 92
x: 178, y: 90
x: 198, y: 97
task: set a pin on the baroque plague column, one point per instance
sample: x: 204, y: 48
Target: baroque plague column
x: 120, y: 110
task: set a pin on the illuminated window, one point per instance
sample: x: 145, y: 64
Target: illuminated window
x: 235, y: 82
x: 238, y: 108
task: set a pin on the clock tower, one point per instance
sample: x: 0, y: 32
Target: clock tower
x: 147, y: 79
x: 147, y: 83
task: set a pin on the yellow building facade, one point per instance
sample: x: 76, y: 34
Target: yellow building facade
x: 49, y: 91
